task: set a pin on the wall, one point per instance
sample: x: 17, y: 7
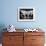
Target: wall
x: 8, y: 13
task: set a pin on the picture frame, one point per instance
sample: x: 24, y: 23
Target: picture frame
x: 26, y: 14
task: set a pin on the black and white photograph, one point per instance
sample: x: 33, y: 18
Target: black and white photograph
x: 26, y: 14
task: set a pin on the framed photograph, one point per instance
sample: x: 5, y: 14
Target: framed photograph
x: 26, y: 14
